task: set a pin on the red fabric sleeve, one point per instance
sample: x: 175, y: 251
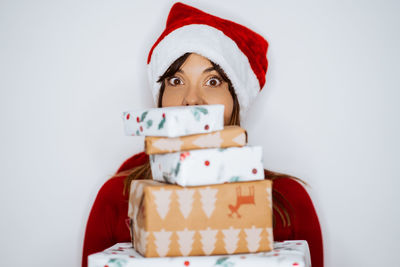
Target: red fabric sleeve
x: 304, y: 220
x: 103, y: 228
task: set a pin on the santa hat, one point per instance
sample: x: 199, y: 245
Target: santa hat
x: 239, y: 51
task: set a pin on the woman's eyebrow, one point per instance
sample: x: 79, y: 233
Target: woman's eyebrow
x: 206, y: 70
x: 209, y: 69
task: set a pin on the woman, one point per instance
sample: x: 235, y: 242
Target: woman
x: 201, y: 59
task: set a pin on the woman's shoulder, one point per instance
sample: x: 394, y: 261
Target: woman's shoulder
x: 286, y: 183
x: 134, y: 161
x: 112, y: 189
x: 291, y: 190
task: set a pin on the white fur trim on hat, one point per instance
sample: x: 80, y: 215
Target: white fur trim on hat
x: 212, y: 44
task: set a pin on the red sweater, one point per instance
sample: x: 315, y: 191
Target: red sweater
x: 107, y: 223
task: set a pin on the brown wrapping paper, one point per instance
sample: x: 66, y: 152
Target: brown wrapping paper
x: 169, y: 220
x: 231, y: 136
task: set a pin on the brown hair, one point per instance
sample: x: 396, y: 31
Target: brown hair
x: 144, y: 171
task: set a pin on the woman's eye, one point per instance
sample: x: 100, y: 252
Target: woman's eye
x: 174, y: 81
x: 214, y: 81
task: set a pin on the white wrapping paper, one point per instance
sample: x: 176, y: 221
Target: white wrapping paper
x: 208, y: 166
x: 285, y: 254
x: 174, y: 121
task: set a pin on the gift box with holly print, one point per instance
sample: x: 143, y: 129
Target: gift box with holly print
x: 174, y: 121
x: 230, y: 136
x: 170, y: 220
x: 294, y: 253
x: 208, y: 166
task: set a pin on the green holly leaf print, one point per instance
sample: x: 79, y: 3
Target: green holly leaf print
x: 196, y: 114
x: 161, y: 124
x: 149, y: 123
x: 234, y: 179
x: 220, y: 261
x: 143, y: 116
x: 176, y: 171
x: 137, y: 132
x: 202, y: 110
x: 165, y: 177
x: 116, y: 262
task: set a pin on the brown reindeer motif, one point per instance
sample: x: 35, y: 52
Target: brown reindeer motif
x: 242, y: 200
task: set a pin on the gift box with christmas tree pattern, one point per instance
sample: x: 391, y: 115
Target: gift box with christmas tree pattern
x: 174, y: 121
x: 208, y: 166
x: 170, y: 220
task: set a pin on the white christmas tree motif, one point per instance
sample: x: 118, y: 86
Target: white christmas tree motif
x: 136, y: 235
x: 240, y: 139
x: 253, y: 238
x: 170, y: 144
x: 139, y: 190
x: 231, y: 238
x: 208, y: 198
x: 185, y: 199
x: 162, y: 198
x: 208, y: 239
x: 142, y: 242
x: 162, y: 241
x: 131, y: 208
x: 269, y: 192
x: 209, y: 140
x: 185, y: 240
x: 270, y: 236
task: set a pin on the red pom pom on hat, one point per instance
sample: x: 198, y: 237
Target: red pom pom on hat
x: 239, y: 51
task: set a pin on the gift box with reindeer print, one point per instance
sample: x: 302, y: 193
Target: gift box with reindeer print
x: 170, y: 220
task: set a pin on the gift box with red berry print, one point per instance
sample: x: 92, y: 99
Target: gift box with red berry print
x: 294, y: 253
x: 174, y: 121
x: 208, y: 166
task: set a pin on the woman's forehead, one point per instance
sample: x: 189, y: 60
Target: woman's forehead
x: 196, y: 64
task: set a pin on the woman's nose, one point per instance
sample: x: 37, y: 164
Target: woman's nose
x: 193, y: 97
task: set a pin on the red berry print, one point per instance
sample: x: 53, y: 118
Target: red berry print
x: 163, y: 115
x: 206, y: 127
x: 186, y: 263
x: 138, y: 119
x: 141, y: 128
x: 295, y: 264
x: 184, y: 155
x: 254, y: 171
x: 298, y: 244
x: 207, y: 163
x: 242, y: 257
x: 131, y: 256
x: 276, y: 254
x: 128, y: 116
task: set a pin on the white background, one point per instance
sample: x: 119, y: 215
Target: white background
x: 328, y: 114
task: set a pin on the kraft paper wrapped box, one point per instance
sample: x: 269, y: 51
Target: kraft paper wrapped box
x: 230, y: 136
x: 208, y: 166
x: 170, y: 220
x: 174, y: 121
x: 285, y: 254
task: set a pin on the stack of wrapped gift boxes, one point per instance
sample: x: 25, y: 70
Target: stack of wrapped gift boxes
x: 208, y: 195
